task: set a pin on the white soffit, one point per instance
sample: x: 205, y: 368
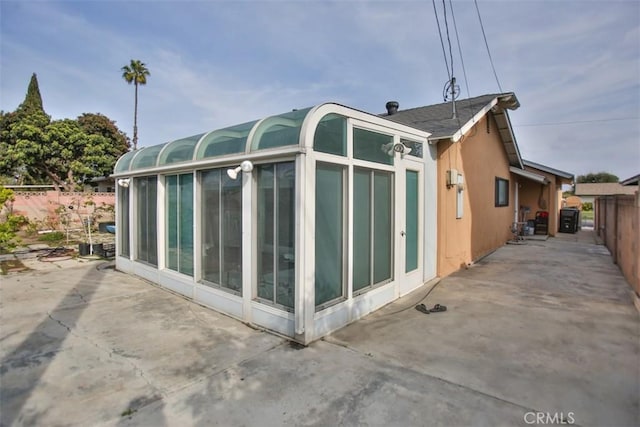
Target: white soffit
x: 529, y: 175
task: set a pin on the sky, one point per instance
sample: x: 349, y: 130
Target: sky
x: 573, y: 65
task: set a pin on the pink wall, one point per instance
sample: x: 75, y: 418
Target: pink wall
x: 51, y: 207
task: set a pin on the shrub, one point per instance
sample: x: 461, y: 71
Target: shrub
x: 54, y: 236
x: 587, y: 206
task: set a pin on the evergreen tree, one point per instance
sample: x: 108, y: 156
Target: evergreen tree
x: 66, y: 153
x: 32, y: 103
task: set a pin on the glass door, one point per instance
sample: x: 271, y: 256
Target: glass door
x: 410, y: 217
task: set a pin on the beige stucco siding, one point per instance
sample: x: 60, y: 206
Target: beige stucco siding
x: 480, y: 157
x: 541, y: 197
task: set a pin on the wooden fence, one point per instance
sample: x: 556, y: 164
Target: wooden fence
x: 617, y: 219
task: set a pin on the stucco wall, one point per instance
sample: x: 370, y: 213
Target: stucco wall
x: 539, y: 197
x: 480, y: 157
x: 49, y: 208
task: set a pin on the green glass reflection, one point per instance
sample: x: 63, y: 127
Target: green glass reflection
x: 179, y: 208
x: 329, y: 232
x: 276, y: 233
x: 186, y: 224
x: 222, y: 230
x: 279, y: 131
x: 372, y: 146
x: 411, y: 220
x: 382, y: 224
x: 171, y: 184
x: 123, y: 224
x: 147, y: 208
x: 331, y: 135
x: 361, y: 229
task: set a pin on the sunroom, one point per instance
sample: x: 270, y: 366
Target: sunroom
x: 298, y: 223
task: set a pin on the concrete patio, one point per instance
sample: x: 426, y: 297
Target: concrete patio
x: 545, y: 327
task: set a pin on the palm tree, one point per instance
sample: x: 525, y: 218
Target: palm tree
x: 136, y: 72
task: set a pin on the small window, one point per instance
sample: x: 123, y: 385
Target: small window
x: 372, y: 146
x: 331, y: 135
x: 502, y: 192
x: 416, y: 147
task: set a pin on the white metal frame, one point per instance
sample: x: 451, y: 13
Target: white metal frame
x: 306, y: 323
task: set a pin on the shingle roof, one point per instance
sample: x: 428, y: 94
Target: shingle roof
x: 438, y: 119
x: 548, y: 169
x: 603, y: 189
x: 631, y: 181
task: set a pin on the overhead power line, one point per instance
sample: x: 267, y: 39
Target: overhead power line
x: 487, y: 45
x: 444, y: 52
x: 577, y: 122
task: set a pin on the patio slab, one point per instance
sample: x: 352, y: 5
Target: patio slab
x: 545, y: 327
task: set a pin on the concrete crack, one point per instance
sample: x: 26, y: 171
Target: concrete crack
x: 114, y: 355
x: 434, y: 377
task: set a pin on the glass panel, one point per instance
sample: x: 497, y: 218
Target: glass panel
x: 180, y: 150
x: 331, y: 135
x: 231, y: 275
x: 222, y: 228
x: 225, y: 141
x: 146, y: 157
x: 278, y: 131
x: 361, y: 228
x: 185, y: 225
x: 266, y: 218
x: 124, y: 161
x: 123, y: 225
x: 146, y: 190
x: 276, y: 233
x: 416, y: 147
x: 171, y: 183
x: 285, y: 226
x: 179, y: 189
x: 411, y: 220
x: 372, y: 146
x: 329, y: 232
x: 382, y: 226
x: 210, y: 203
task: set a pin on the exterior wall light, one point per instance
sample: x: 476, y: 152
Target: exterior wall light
x: 245, y: 166
x: 392, y: 148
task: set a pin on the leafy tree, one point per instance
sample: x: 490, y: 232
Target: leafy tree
x: 26, y: 123
x: 597, y: 177
x: 98, y: 124
x: 136, y: 72
x: 65, y: 153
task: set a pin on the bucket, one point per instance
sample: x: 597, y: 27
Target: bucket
x: 84, y: 249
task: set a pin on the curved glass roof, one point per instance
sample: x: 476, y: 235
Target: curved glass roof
x: 124, y: 161
x: 278, y: 131
x: 229, y: 140
x: 146, y: 157
x: 179, y: 150
x: 272, y: 132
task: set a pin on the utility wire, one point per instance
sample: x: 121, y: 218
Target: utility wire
x: 446, y: 26
x: 576, y: 122
x: 444, y: 53
x: 464, y: 71
x: 487, y: 45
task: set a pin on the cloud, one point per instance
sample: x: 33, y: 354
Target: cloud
x: 219, y: 63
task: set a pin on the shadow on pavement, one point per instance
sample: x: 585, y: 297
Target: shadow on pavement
x: 22, y: 369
